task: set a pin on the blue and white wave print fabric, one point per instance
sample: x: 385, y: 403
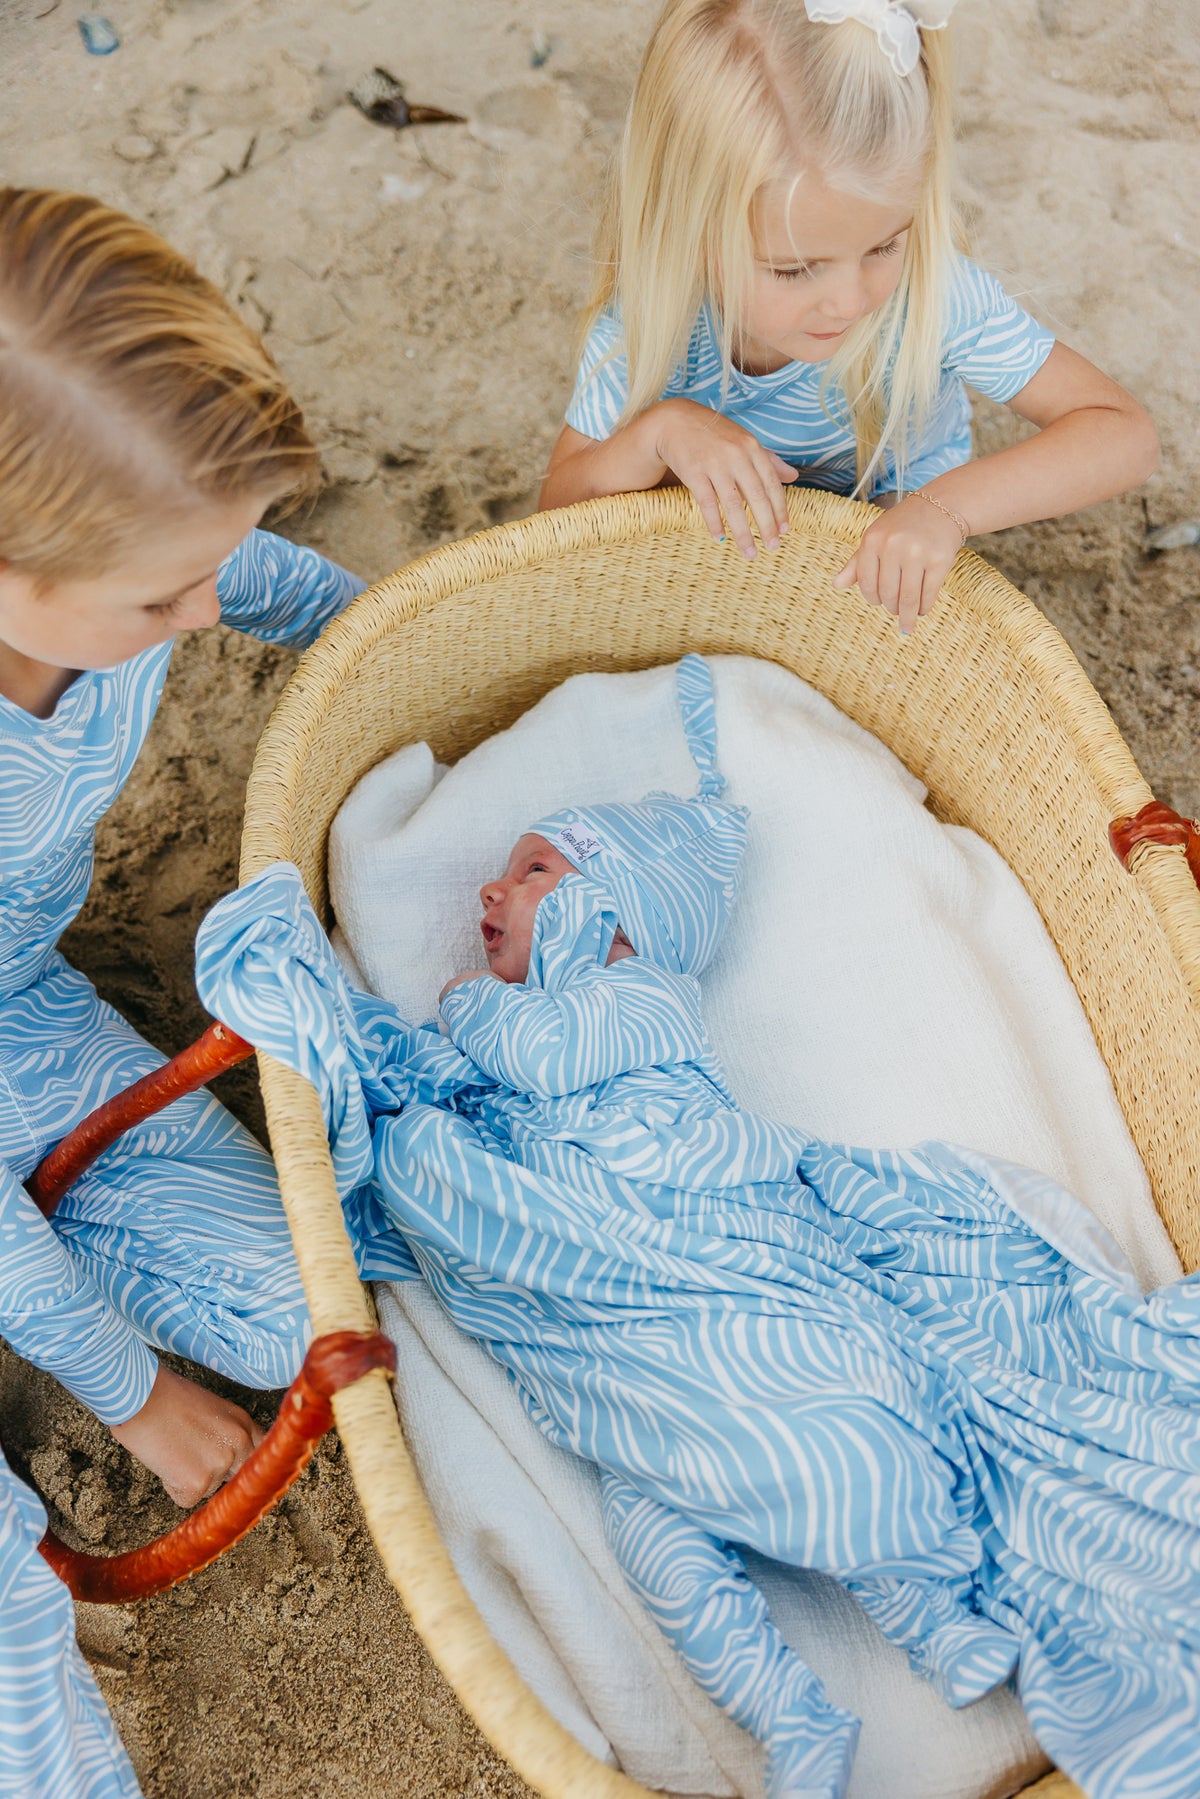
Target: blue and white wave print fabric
x: 865, y: 1362
x: 57, y: 1740
x: 669, y: 867
x: 176, y: 1236
x: 989, y: 343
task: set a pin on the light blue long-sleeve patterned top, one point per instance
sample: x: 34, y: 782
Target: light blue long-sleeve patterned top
x: 873, y: 1363
x: 988, y: 343
x: 58, y: 776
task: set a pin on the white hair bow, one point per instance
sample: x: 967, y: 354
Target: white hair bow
x: 895, y: 23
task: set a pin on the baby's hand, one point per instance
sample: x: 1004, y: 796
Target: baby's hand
x: 726, y: 469
x: 903, y: 560
x: 191, y: 1438
x: 472, y: 974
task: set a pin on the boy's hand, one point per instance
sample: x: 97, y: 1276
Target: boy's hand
x: 472, y: 974
x: 191, y: 1438
x: 903, y: 560
x: 727, y: 470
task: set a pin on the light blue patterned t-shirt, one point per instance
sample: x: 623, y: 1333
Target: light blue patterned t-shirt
x: 989, y: 343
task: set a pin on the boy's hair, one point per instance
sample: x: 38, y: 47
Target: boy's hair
x: 733, y: 94
x: 129, y: 390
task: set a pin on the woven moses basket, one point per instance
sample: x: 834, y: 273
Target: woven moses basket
x: 985, y: 703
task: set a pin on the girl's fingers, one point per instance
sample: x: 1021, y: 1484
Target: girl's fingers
x: 736, y: 522
x: 704, y: 494
x: 745, y: 485
x: 887, y: 582
x: 768, y: 468
x: 848, y: 576
x: 908, y: 602
x: 763, y: 506
x: 868, y: 574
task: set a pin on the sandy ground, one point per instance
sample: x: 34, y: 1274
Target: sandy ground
x: 420, y: 291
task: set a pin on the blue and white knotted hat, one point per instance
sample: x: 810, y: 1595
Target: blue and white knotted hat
x: 668, y: 867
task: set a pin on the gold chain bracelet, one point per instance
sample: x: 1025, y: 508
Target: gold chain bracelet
x: 919, y: 493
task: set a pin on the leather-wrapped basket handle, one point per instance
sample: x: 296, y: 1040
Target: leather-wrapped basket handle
x: 218, y: 1049
x: 333, y: 1361
x: 1156, y: 823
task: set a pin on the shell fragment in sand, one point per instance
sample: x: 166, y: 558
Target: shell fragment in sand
x: 1172, y: 537
x: 380, y: 98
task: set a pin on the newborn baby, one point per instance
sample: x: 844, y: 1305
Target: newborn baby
x: 510, y: 904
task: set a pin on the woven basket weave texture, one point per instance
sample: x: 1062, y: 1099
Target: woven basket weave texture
x: 984, y: 702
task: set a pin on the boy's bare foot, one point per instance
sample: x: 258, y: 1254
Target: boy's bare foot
x: 191, y: 1438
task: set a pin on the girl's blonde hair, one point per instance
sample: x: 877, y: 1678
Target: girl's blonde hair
x: 734, y: 94
x: 129, y: 390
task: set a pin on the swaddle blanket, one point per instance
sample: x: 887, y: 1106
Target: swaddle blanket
x: 870, y: 1363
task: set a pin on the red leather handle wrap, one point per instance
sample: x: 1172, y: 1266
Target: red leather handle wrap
x: 218, y: 1049
x: 333, y: 1362
x: 1156, y: 823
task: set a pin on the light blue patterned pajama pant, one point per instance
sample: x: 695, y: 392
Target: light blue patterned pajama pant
x: 177, y: 1230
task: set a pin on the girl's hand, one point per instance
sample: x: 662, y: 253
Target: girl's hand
x: 903, y: 560
x: 191, y: 1438
x: 732, y: 477
x: 472, y: 974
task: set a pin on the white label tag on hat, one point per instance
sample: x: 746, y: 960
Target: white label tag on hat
x: 577, y: 844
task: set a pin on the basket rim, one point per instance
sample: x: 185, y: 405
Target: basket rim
x: 441, y: 573
x: 499, y: 550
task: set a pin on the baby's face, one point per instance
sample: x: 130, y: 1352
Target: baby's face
x: 534, y: 869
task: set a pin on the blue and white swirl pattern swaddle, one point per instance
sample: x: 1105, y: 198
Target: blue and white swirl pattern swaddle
x: 669, y: 866
x: 865, y: 1362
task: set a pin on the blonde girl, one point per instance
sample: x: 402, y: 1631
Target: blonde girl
x: 782, y: 294
x: 143, y: 432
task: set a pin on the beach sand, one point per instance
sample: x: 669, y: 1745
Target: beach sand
x: 420, y: 290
